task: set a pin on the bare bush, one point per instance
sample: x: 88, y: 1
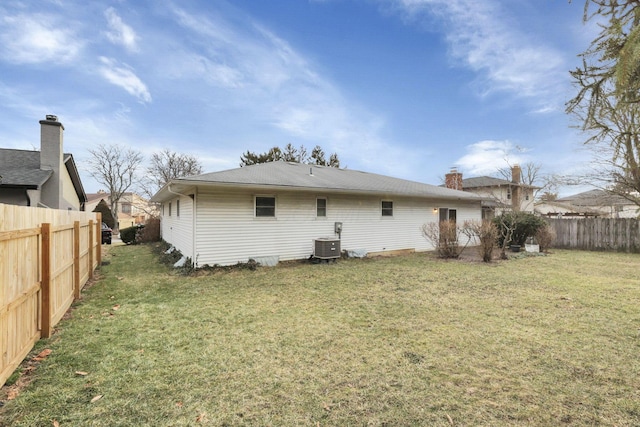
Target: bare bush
x: 545, y: 237
x: 444, y: 238
x: 151, y: 231
x: 486, y: 232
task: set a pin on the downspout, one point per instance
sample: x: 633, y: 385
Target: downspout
x: 194, y: 226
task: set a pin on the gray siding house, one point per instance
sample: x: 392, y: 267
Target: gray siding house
x: 277, y: 209
x: 46, y: 178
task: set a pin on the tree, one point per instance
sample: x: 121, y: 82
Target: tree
x: 607, y: 105
x: 291, y: 154
x: 105, y: 210
x: 114, y: 166
x: 167, y: 165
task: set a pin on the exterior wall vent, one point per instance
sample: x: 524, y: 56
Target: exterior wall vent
x: 326, y: 248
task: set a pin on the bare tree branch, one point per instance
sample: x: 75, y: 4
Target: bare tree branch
x: 114, y: 166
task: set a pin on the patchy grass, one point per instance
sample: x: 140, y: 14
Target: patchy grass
x: 399, y: 341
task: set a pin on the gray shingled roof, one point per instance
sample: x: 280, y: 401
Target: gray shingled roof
x: 595, y: 198
x: 311, y: 177
x: 22, y: 168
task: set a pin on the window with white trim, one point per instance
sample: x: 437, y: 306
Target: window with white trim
x: 321, y: 207
x: 447, y: 214
x: 265, y: 206
x: 387, y: 208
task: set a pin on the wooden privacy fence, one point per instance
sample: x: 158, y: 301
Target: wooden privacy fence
x: 597, y: 234
x: 46, y: 258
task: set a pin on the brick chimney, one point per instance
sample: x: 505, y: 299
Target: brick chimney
x: 516, y: 174
x: 453, y: 180
x: 51, y: 158
x: 516, y: 178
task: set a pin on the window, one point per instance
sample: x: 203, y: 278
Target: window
x: 321, y: 208
x: 265, y: 206
x: 126, y: 208
x: 177, y: 207
x: 169, y: 208
x: 508, y: 193
x: 447, y: 214
x: 387, y: 208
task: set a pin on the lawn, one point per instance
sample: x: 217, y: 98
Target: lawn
x: 402, y: 341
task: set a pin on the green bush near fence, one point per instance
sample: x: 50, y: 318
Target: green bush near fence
x: 128, y: 235
x: 523, y: 224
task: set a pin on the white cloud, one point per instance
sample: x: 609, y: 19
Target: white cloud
x: 485, y: 38
x: 120, y: 33
x: 124, y: 77
x: 276, y: 85
x: 486, y: 157
x: 185, y: 65
x: 37, y: 38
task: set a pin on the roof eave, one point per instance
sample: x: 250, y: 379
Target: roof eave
x: 166, y: 193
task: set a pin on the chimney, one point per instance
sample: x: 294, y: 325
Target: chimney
x: 51, y: 158
x: 453, y: 179
x: 516, y: 178
x: 516, y: 174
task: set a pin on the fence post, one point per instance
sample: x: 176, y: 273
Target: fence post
x: 45, y: 286
x: 91, y: 248
x: 76, y: 260
x: 99, y: 240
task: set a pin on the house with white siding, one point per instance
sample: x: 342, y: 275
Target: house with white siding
x: 277, y: 210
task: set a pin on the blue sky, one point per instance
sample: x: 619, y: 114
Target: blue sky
x: 407, y: 88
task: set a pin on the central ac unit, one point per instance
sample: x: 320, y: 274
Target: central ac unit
x: 326, y: 248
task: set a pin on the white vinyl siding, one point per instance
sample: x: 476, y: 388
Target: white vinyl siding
x: 228, y: 232
x: 178, y: 230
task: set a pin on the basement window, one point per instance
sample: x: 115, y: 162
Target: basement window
x: 387, y: 208
x: 265, y: 206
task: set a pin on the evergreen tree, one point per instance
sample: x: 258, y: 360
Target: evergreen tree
x: 291, y: 154
x: 107, y: 217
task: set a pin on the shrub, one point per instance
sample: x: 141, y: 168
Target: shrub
x: 545, y: 237
x: 129, y: 234
x: 444, y: 237
x: 515, y: 227
x: 107, y: 216
x: 151, y: 231
x: 487, y: 233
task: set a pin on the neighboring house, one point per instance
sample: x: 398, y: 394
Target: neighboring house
x: 132, y: 208
x: 277, y: 209
x: 500, y: 194
x: 599, y: 203
x: 558, y: 209
x: 46, y: 178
